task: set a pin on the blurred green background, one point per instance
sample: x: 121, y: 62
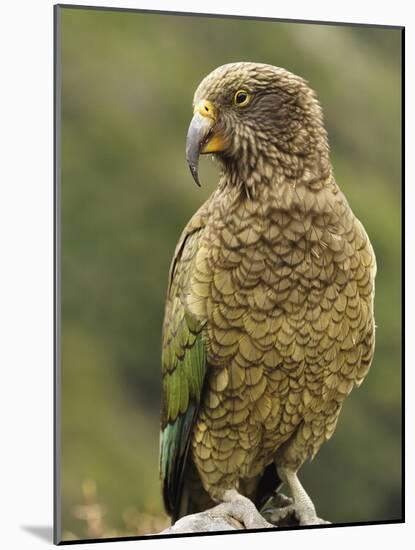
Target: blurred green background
x: 127, y: 86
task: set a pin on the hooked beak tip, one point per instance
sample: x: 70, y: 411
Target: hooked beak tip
x: 195, y: 174
x: 197, y: 134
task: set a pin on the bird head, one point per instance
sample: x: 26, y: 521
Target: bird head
x: 252, y: 115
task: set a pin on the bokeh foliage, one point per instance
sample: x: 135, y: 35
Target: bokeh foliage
x: 127, y: 85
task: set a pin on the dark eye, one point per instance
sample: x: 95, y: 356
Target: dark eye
x: 242, y: 98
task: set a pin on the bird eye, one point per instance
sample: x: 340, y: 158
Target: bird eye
x: 242, y: 98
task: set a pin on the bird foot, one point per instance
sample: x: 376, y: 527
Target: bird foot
x: 243, y: 510
x: 237, y: 513
x: 280, y: 510
x: 307, y: 516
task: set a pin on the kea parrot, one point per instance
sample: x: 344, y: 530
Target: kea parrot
x: 269, y: 318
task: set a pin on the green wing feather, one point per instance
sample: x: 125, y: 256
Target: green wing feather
x: 183, y: 372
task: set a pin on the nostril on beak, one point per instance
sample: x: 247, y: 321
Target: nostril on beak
x: 205, y: 108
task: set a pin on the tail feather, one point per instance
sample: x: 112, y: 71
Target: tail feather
x: 267, y: 486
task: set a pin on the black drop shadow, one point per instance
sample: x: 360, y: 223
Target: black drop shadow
x: 44, y: 532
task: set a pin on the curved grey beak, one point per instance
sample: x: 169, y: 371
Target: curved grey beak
x: 197, y: 135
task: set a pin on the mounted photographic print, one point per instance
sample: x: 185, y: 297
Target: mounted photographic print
x: 228, y: 274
